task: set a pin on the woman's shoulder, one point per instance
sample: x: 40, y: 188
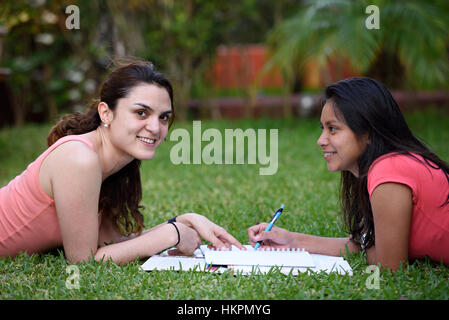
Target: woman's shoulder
x: 397, y: 161
x: 74, y: 153
x: 407, y: 169
x: 82, y: 138
x: 69, y: 160
x: 76, y: 150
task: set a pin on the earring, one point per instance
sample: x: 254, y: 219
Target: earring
x: 106, y: 125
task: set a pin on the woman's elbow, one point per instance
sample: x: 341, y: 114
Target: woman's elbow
x: 78, y: 257
x: 390, y: 262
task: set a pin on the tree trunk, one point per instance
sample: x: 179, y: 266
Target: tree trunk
x: 52, y: 111
x: 287, y: 106
x: 19, y: 110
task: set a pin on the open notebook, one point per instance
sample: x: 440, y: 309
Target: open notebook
x: 259, y: 257
x: 248, y: 261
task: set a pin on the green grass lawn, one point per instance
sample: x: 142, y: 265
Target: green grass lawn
x: 236, y: 197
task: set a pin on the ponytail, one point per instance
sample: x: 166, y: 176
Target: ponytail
x: 76, y: 123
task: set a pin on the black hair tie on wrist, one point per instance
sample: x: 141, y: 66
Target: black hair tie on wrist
x: 172, y: 219
x: 177, y: 230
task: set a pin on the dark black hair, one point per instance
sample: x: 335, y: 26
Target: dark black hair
x: 367, y: 107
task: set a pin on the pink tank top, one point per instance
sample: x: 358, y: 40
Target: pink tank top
x: 28, y: 218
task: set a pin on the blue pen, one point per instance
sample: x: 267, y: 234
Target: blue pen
x: 276, y: 215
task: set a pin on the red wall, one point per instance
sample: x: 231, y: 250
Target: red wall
x: 238, y: 66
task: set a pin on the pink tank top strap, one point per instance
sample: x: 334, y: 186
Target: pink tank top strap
x: 60, y: 141
x: 66, y: 139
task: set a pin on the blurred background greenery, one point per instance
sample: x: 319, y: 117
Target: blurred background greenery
x: 224, y: 58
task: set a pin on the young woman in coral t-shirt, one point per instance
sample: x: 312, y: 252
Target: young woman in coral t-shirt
x: 395, y: 191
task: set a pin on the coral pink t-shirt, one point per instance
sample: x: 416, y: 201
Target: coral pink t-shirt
x: 429, y: 228
x: 28, y: 218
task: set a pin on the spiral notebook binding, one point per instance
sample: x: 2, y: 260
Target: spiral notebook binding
x: 259, y: 249
x: 296, y: 257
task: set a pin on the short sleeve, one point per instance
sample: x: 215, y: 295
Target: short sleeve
x: 397, y: 169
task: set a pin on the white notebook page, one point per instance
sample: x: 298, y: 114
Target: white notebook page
x: 259, y: 257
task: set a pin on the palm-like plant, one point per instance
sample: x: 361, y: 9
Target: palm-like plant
x: 415, y: 33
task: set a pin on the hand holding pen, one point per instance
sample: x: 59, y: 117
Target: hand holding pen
x: 276, y: 215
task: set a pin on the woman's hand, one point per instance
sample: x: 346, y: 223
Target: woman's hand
x: 275, y: 238
x: 209, y: 231
x: 189, y: 239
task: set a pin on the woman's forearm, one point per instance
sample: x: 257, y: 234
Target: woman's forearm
x: 110, y: 235
x: 324, y: 245
x: 146, y: 244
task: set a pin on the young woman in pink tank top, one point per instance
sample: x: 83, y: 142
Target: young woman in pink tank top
x: 85, y: 190
x: 395, y: 191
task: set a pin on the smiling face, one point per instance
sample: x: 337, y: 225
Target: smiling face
x: 140, y: 121
x: 340, y: 146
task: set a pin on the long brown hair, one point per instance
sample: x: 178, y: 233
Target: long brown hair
x: 121, y: 192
